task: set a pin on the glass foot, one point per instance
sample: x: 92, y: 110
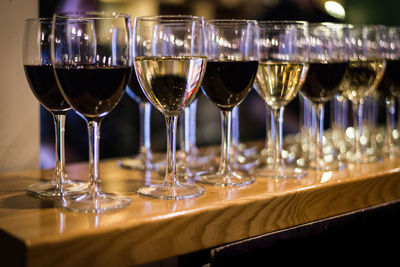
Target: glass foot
x: 391, y: 153
x: 135, y: 164
x: 88, y: 203
x: 245, y: 164
x: 165, y: 191
x: 362, y: 159
x: 286, y: 172
x: 185, y: 172
x: 51, y: 189
x: 327, y: 166
x: 226, y: 179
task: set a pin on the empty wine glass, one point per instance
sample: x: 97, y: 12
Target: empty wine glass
x: 284, y: 51
x: 367, y: 64
x: 328, y: 60
x: 92, y: 60
x: 170, y: 63
x: 40, y: 75
x: 232, y: 53
x: 389, y: 89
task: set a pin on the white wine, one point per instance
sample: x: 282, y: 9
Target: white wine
x: 170, y: 83
x: 279, y: 82
x: 361, y: 78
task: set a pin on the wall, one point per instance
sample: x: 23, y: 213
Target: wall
x: 19, y: 110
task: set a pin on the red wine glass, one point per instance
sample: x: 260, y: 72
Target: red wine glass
x: 41, y: 79
x: 91, y: 56
x: 232, y: 53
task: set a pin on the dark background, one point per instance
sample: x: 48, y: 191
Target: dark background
x: 120, y: 129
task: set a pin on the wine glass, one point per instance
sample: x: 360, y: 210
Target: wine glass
x: 232, y: 53
x: 143, y: 161
x: 284, y: 51
x: 328, y: 60
x: 40, y: 76
x: 170, y: 63
x: 389, y: 89
x: 91, y: 56
x: 367, y: 64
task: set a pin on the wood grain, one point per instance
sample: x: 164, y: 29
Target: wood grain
x: 150, y: 230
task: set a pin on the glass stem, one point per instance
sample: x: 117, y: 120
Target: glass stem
x: 277, y: 137
x: 268, y: 138
x: 390, y: 117
x: 144, y: 138
x: 94, y: 158
x: 235, y: 128
x: 305, y: 125
x: 318, y: 151
x: 192, y: 126
x: 397, y: 99
x: 60, y: 176
x: 184, y: 139
x: 358, y: 128
x: 170, y: 175
x: 186, y: 131
x: 226, y: 126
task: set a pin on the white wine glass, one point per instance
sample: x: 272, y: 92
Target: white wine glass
x: 367, y: 63
x: 170, y: 63
x: 284, y: 55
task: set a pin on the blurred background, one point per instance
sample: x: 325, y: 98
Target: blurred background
x: 120, y: 129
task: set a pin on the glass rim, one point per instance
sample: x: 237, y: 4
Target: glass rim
x: 169, y: 18
x: 369, y: 26
x: 46, y: 19
x: 90, y: 15
x: 328, y: 24
x: 230, y: 20
x: 282, y: 22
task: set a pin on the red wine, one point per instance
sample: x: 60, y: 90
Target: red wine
x: 390, y: 84
x: 323, y: 80
x: 227, y: 83
x: 134, y: 89
x: 93, y: 91
x: 43, y: 84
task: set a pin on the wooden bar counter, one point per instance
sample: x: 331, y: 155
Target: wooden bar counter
x: 34, y: 233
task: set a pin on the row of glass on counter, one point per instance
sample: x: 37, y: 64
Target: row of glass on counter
x: 86, y: 61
